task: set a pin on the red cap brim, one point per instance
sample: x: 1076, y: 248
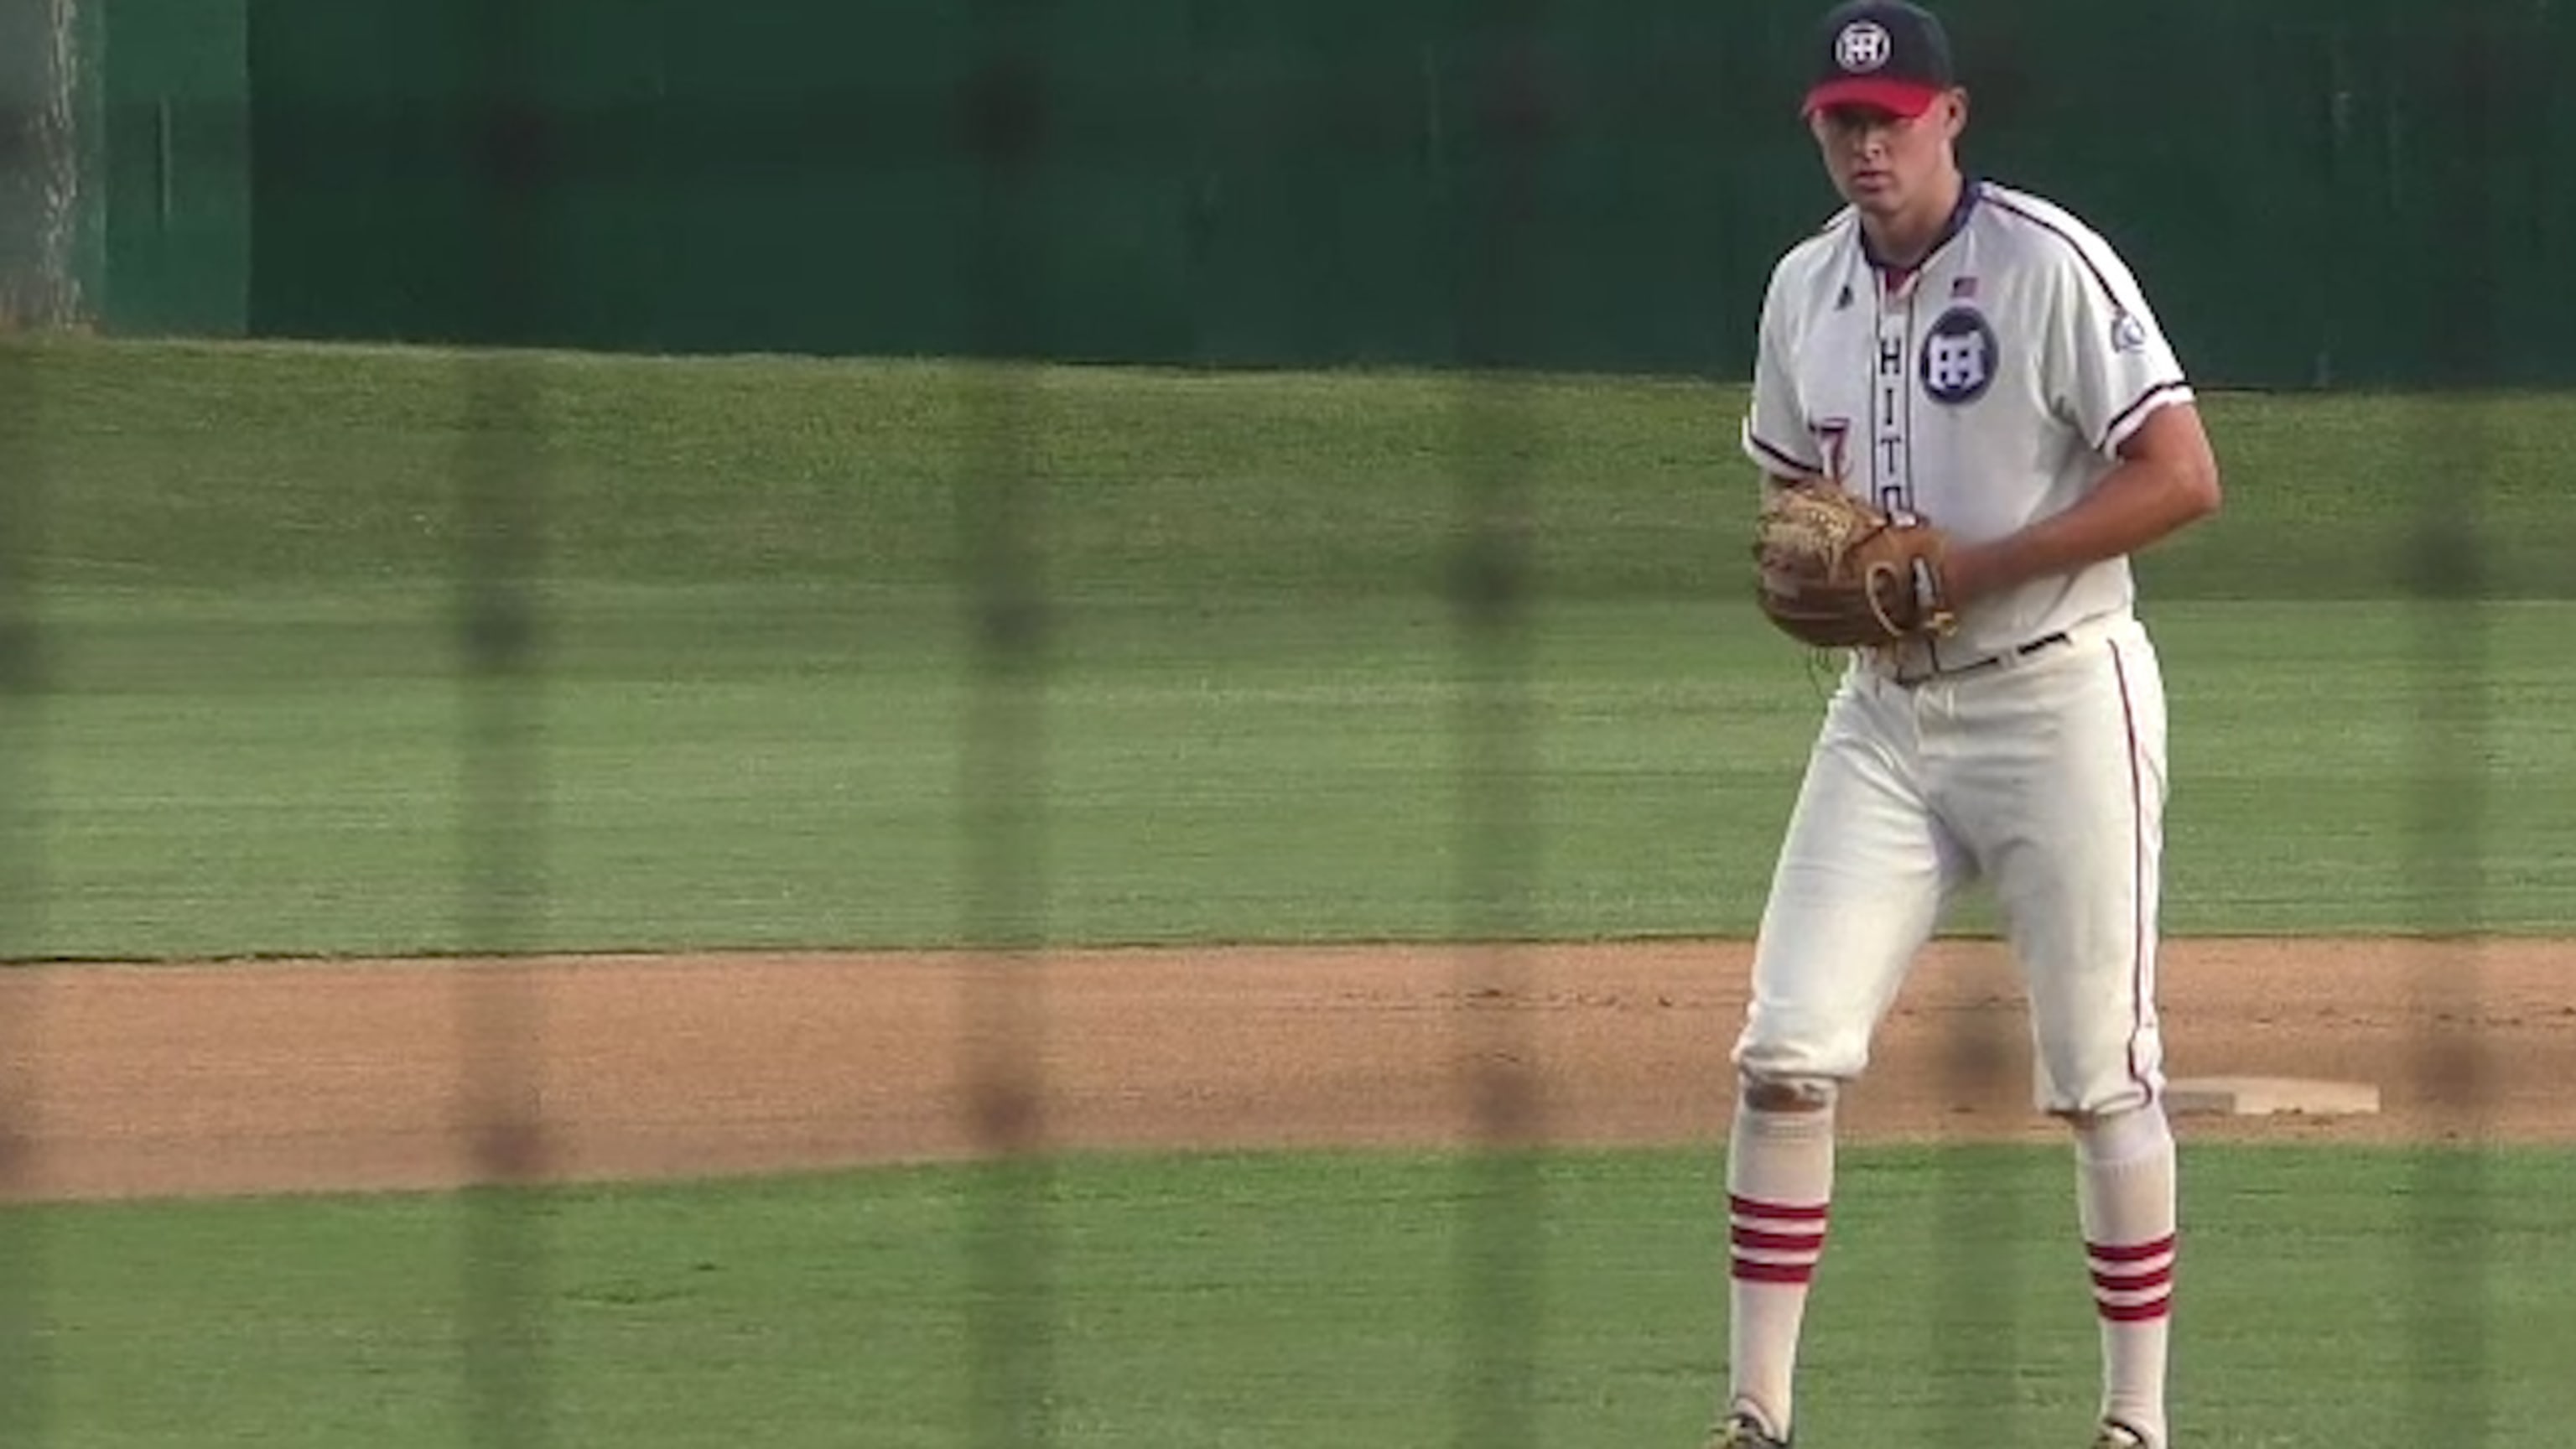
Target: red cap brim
x: 1896, y: 97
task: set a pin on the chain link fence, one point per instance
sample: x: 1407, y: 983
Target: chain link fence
x: 1010, y: 517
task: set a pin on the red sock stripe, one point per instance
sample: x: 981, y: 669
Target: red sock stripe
x: 2147, y: 1312
x: 1750, y: 1271
x: 2133, y: 1282
x: 2132, y: 1253
x: 1748, y: 1207
x: 1780, y: 1242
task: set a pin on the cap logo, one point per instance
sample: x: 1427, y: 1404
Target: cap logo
x: 1863, y: 47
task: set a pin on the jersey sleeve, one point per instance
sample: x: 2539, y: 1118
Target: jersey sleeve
x: 1776, y: 437
x: 2113, y: 366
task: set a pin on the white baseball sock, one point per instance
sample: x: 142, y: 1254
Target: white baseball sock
x: 2125, y: 1195
x: 1779, y: 1179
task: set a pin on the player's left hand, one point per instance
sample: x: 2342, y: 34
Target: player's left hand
x: 1839, y: 573
x: 1970, y: 571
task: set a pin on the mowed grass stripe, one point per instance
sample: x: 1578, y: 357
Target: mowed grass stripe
x: 1294, y: 1301
x: 756, y: 657
x: 262, y: 464
x: 724, y: 773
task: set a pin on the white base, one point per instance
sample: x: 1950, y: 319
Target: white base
x: 2269, y: 1096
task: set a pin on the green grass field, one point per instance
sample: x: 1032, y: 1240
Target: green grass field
x: 1320, y: 1301
x: 757, y: 672
x: 756, y: 666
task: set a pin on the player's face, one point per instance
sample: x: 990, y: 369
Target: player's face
x: 1883, y: 163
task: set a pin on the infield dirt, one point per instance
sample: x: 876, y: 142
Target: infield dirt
x: 230, y: 1078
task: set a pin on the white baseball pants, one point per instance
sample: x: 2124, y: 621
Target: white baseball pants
x: 2045, y: 776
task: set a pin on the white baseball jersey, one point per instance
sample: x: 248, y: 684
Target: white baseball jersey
x: 1989, y: 388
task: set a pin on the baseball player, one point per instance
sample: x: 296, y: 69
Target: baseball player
x: 1952, y: 349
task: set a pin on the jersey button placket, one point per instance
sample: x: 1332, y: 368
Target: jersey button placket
x: 1891, y: 456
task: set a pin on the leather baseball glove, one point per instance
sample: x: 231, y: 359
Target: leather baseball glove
x: 1840, y: 573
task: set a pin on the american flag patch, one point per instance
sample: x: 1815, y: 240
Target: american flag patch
x: 1964, y: 289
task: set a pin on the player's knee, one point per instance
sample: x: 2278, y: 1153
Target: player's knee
x: 1788, y: 1094
x: 2119, y: 1134
x: 2103, y: 1115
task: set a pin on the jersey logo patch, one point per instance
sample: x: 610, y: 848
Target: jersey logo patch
x: 1959, y: 357
x: 2128, y: 334
x: 1863, y: 47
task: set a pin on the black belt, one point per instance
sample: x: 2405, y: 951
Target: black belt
x: 2018, y: 651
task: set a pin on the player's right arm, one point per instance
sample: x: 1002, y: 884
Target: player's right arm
x: 1776, y: 435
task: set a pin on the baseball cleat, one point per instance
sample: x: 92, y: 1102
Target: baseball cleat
x: 2116, y: 1435
x: 1744, y: 1429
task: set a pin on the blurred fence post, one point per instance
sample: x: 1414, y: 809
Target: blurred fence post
x: 1003, y: 116
x: 1492, y: 588
x: 500, y: 529
x: 2473, y: 73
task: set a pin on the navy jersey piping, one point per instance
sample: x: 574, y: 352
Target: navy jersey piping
x: 1780, y: 455
x: 1905, y: 384
x: 2135, y: 408
x: 2091, y: 268
x: 2111, y: 293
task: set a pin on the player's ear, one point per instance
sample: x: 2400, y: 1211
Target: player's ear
x: 1954, y: 111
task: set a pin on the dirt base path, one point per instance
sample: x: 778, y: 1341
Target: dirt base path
x: 233, y: 1078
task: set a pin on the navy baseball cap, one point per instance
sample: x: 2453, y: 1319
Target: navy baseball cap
x: 1881, y: 53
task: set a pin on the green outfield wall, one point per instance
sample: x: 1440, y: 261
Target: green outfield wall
x: 2321, y: 192
x: 176, y: 178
